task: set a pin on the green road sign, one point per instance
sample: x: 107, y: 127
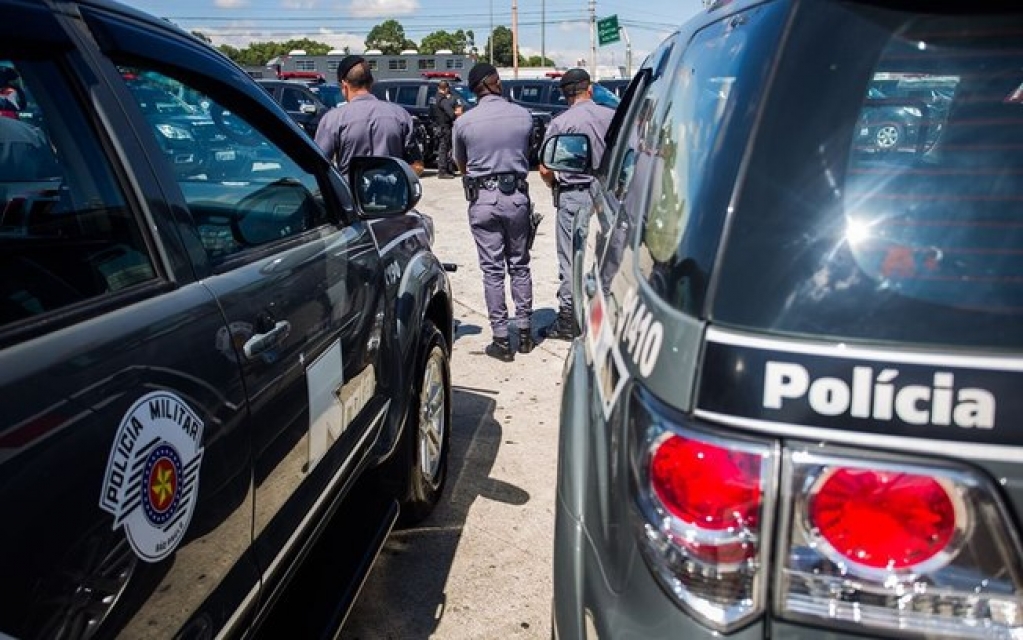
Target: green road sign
x: 607, y: 30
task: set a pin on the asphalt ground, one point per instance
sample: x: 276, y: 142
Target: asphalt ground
x: 480, y: 566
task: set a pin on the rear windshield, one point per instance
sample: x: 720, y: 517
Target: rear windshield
x: 884, y: 196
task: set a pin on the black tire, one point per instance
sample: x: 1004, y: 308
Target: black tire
x: 418, y: 470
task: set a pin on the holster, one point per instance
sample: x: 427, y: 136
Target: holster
x: 507, y: 183
x: 471, y: 189
x: 535, y: 218
x: 556, y: 194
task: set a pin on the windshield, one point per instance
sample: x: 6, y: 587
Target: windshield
x: 882, y: 198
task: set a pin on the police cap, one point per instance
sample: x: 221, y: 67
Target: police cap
x: 346, y: 65
x: 479, y: 72
x: 573, y: 81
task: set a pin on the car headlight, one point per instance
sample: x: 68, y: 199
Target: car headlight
x: 173, y: 132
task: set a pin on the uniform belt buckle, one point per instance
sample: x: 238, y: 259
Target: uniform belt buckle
x: 489, y: 183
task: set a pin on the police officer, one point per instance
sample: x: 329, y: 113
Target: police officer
x: 571, y: 192
x: 442, y: 111
x: 364, y: 125
x: 490, y: 145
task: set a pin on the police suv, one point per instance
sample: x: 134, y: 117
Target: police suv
x: 792, y: 411
x: 223, y: 366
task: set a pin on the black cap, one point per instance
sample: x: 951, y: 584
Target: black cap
x: 8, y: 75
x: 571, y: 78
x: 479, y: 72
x: 346, y: 65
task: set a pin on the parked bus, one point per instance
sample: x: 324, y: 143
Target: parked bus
x: 408, y: 64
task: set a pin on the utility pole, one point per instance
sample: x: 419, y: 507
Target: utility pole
x: 543, y: 37
x: 593, y: 39
x: 490, y: 40
x: 515, y: 39
x: 628, y: 52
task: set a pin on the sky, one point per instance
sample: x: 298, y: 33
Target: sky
x: 560, y: 29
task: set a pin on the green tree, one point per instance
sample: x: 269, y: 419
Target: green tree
x: 202, y: 36
x: 389, y: 37
x: 502, y: 39
x: 259, y: 53
x: 535, y: 61
x: 458, y: 42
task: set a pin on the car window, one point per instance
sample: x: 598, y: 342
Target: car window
x: 66, y: 233
x: 897, y: 218
x: 527, y: 93
x: 468, y: 97
x: 293, y: 99
x: 407, y: 95
x: 242, y: 190
x: 678, y: 229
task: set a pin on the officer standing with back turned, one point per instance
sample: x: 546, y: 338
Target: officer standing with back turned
x: 571, y: 192
x: 365, y: 125
x: 490, y: 147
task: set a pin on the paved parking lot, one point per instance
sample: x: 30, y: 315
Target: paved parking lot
x: 480, y: 566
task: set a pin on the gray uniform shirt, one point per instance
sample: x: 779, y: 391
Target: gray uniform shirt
x: 493, y: 137
x: 589, y: 118
x: 366, y: 126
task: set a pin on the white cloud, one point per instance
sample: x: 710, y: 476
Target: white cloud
x: 299, y: 4
x: 382, y: 8
x: 355, y: 42
x: 230, y: 4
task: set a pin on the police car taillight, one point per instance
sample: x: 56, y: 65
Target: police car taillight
x: 892, y: 546
x: 704, y: 505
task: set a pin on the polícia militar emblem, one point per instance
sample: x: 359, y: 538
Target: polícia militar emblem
x: 152, y: 480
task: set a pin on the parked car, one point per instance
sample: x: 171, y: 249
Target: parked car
x: 544, y: 94
x: 302, y: 103
x: 211, y: 386
x: 617, y: 86
x: 793, y: 410
x: 891, y: 124
x: 329, y: 93
x: 418, y: 95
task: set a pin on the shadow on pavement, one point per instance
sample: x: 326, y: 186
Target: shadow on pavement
x: 410, y: 575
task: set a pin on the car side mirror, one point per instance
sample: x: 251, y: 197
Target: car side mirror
x: 569, y: 152
x: 383, y: 186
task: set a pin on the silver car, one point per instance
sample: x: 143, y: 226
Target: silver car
x: 792, y: 411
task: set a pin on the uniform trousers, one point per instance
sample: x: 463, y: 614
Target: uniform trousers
x: 500, y: 227
x: 443, y: 136
x: 571, y: 204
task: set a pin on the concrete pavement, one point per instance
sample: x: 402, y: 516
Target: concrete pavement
x: 480, y: 566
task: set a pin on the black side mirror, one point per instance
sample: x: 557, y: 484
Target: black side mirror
x: 569, y: 152
x: 383, y: 186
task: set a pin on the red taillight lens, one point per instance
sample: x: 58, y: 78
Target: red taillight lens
x: 883, y: 519
x: 713, y: 490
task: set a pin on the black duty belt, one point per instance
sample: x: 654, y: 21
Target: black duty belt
x: 505, y: 182
x: 564, y: 186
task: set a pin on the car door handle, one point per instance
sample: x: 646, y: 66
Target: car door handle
x: 261, y: 342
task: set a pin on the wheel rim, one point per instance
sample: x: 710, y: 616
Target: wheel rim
x: 432, y: 417
x: 887, y: 136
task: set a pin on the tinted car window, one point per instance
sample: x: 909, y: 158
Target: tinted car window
x: 243, y: 191
x: 680, y: 228
x: 407, y: 95
x: 66, y: 234
x: 917, y: 244
x: 462, y: 92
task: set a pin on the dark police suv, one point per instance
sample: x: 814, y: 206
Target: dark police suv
x: 221, y: 383
x: 794, y: 411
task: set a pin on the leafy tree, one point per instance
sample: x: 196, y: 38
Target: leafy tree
x: 502, y: 39
x: 202, y: 36
x: 259, y: 53
x: 389, y: 37
x: 458, y: 42
x: 535, y: 61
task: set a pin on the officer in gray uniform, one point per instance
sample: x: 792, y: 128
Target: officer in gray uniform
x: 571, y: 192
x: 365, y: 125
x: 490, y: 146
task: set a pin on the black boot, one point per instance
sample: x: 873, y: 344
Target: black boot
x: 564, y: 327
x: 526, y: 342
x: 500, y: 349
